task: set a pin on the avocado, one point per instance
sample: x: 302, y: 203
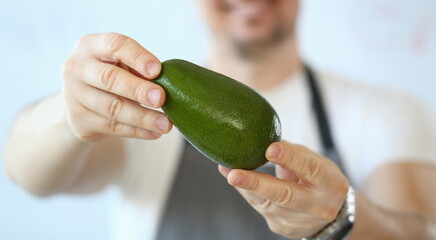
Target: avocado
x: 225, y: 120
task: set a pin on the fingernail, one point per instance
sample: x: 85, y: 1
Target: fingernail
x: 154, y: 97
x: 162, y: 123
x: 153, y: 69
x: 273, y: 151
x: 238, y: 179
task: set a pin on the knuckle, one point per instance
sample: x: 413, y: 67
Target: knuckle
x: 69, y: 66
x: 286, y: 196
x: 114, y: 127
x: 292, y: 159
x: 84, y: 39
x: 140, y: 93
x: 140, y: 133
x: 290, y: 156
x: 255, y: 186
x: 308, y: 162
x: 341, y: 190
x: 264, y: 204
x: 85, y: 135
x: 89, y: 137
x: 146, y: 119
x: 115, y: 108
x: 328, y: 214
x: 139, y: 59
x: 115, y: 42
x: 107, y: 76
x: 311, y: 167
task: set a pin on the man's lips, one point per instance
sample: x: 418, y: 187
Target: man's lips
x: 248, y: 9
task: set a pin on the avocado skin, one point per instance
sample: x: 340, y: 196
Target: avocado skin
x: 225, y: 120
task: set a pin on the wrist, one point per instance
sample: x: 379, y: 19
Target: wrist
x: 342, y: 225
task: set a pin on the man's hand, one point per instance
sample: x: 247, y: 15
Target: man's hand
x: 306, y: 195
x: 105, y: 82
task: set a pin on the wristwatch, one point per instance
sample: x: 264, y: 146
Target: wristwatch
x: 342, y: 225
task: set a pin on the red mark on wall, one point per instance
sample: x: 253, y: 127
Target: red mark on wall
x: 394, y: 27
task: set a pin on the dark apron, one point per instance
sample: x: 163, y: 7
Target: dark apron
x: 202, y: 206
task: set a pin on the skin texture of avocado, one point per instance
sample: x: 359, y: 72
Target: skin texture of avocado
x: 225, y: 120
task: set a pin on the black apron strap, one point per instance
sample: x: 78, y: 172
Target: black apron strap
x: 329, y: 148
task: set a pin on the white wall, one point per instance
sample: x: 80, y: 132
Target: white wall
x: 390, y: 43
x: 387, y: 43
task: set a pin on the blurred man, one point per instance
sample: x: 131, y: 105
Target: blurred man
x: 96, y: 133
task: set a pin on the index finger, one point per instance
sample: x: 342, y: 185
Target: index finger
x: 118, y: 81
x: 306, y: 164
x: 114, y: 47
x: 279, y: 191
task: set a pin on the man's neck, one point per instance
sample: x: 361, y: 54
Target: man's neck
x: 261, y: 73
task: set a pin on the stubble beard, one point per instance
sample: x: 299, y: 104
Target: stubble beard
x: 255, y: 50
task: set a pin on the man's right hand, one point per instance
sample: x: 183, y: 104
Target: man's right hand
x: 105, y: 81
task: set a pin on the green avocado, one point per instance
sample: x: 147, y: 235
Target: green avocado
x: 225, y: 120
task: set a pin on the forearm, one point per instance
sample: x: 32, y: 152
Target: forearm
x: 41, y: 153
x: 374, y: 222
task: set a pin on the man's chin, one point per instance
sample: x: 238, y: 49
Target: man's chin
x: 251, y: 50
x: 256, y: 46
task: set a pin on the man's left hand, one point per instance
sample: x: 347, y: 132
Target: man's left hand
x: 306, y: 194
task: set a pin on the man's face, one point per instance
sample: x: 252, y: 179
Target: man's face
x: 251, y: 26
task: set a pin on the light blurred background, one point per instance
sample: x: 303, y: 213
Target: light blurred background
x: 388, y: 43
